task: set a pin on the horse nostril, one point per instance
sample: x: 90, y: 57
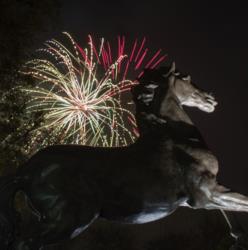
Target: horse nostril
x: 211, y: 101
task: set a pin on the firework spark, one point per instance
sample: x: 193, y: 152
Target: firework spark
x: 79, y: 91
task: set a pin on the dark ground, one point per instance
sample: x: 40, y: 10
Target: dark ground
x: 206, y: 39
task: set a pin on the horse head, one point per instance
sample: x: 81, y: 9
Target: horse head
x: 187, y: 93
x: 165, y: 89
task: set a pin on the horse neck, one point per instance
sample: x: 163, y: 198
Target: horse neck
x: 173, y: 110
x: 179, y: 124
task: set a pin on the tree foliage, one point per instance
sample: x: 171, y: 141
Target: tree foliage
x: 24, y: 24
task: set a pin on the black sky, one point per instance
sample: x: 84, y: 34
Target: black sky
x: 209, y: 40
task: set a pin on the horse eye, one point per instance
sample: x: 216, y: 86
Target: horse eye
x: 185, y: 78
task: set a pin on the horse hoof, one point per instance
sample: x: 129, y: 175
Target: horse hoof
x: 238, y: 248
x: 241, y: 244
x: 27, y: 245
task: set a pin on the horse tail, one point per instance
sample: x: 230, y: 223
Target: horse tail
x: 9, y: 185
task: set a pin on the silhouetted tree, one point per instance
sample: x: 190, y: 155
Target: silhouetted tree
x: 23, y: 26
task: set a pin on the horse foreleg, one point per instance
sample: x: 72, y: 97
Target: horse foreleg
x: 236, y: 230
x: 219, y: 197
x: 228, y: 201
x: 234, y: 226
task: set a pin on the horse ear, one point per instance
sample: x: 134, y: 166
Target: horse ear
x: 173, y: 67
x: 171, y: 70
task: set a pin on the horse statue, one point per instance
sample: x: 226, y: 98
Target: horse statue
x: 69, y: 186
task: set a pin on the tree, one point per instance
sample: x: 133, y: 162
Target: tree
x: 24, y: 24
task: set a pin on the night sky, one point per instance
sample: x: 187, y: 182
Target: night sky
x: 207, y: 40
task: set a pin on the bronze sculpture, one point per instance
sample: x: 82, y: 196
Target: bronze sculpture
x: 169, y: 166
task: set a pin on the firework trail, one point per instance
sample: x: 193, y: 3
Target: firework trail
x: 79, y: 91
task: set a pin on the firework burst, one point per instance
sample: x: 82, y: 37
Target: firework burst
x: 79, y: 91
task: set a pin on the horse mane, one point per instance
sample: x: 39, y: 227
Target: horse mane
x: 148, y: 95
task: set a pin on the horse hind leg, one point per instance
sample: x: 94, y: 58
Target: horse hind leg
x: 64, y: 220
x: 9, y: 217
x: 52, y: 232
